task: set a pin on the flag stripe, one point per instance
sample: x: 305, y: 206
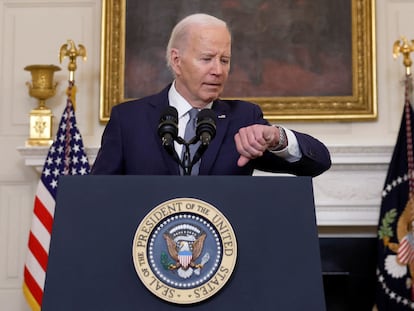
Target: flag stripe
x: 41, y: 233
x: 35, y: 290
x: 41, y: 254
x: 35, y: 269
x: 43, y: 215
x: 405, y: 252
x: 46, y: 198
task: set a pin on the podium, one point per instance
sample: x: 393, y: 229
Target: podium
x: 96, y: 217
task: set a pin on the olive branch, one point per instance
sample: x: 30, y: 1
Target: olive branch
x: 165, y: 262
x: 385, y: 229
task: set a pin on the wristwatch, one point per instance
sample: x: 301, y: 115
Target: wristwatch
x: 282, y: 140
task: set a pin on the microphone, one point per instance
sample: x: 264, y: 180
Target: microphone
x: 205, y: 131
x: 168, y: 127
x: 206, y: 126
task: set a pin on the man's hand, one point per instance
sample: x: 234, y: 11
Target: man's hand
x: 254, y: 140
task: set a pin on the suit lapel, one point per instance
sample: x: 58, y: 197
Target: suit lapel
x: 221, y: 109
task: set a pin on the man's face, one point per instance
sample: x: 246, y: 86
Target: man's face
x: 202, y: 67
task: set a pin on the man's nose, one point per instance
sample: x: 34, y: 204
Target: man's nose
x: 217, y: 67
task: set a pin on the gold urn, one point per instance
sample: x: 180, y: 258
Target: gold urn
x: 41, y: 88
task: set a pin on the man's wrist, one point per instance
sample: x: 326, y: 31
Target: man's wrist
x: 282, y: 141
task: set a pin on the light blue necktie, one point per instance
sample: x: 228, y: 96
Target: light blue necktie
x: 190, y: 131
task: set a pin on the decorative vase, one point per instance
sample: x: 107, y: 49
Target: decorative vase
x: 42, y: 88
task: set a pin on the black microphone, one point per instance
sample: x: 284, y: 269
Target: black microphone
x: 206, y: 126
x: 205, y: 132
x: 168, y: 127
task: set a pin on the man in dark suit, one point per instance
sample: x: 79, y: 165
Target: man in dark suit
x: 198, y: 54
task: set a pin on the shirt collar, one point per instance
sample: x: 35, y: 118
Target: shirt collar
x: 179, y: 102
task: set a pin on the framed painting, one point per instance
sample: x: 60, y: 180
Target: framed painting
x: 299, y: 60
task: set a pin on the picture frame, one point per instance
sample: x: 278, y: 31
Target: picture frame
x: 313, y: 63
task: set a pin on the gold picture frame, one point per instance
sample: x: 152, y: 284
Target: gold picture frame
x: 359, y: 105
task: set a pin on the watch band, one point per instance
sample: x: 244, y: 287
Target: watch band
x: 282, y: 140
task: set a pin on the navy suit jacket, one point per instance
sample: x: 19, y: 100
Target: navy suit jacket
x: 131, y: 145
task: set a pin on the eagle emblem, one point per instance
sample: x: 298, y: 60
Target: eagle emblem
x: 183, y: 260
x: 401, y: 262
x: 185, y: 246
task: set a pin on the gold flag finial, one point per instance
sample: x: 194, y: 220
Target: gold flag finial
x: 404, y: 47
x: 69, y: 49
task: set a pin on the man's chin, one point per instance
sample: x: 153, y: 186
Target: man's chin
x: 210, y: 96
x: 210, y: 99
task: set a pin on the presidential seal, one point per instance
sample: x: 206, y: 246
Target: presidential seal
x: 184, y: 250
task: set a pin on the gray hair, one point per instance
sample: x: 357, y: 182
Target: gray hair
x: 181, y: 31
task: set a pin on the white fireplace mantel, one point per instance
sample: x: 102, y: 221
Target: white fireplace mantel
x: 35, y: 156
x: 348, y: 195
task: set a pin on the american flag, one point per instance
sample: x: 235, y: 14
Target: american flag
x: 66, y: 156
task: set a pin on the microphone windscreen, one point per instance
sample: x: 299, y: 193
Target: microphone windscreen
x: 168, y: 123
x: 207, y: 114
x: 206, y: 123
x: 169, y: 113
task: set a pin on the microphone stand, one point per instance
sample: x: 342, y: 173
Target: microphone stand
x: 186, y: 163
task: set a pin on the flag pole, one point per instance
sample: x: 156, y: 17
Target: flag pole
x: 69, y: 50
x: 405, y: 48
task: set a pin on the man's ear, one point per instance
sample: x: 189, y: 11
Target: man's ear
x: 175, y: 60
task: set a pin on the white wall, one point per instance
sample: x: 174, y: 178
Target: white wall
x: 31, y: 32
